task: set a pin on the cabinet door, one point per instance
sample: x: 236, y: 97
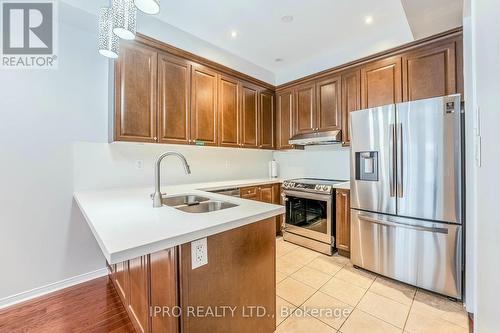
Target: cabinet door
x: 266, y: 193
x: 164, y: 289
x: 174, y: 80
x: 429, y: 72
x: 249, y: 116
x: 138, y: 304
x: 284, y: 118
x: 343, y: 223
x: 305, y: 112
x: 277, y: 201
x: 121, y: 280
x: 204, y: 105
x: 351, y: 100
x: 135, y: 94
x: 266, y: 127
x: 381, y: 82
x: 329, y: 104
x: 229, y: 112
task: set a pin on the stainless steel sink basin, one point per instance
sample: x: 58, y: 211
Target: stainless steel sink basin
x: 183, y: 200
x: 206, y: 207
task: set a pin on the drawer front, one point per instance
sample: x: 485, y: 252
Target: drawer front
x: 422, y: 253
x: 249, y: 191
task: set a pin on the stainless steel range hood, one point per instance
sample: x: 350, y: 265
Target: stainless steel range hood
x: 316, y: 138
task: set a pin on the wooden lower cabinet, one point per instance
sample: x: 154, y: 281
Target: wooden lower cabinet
x: 138, y: 298
x: 270, y: 193
x: 250, y: 193
x: 240, y: 273
x: 343, y: 222
x: 164, y: 290
x: 163, y: 294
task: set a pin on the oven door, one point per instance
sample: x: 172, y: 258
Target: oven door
x: 309, y: 215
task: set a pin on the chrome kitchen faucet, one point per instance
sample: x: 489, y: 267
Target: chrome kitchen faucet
x: 157, y: 195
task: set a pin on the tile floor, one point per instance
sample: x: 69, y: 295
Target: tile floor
x: 318, y: 293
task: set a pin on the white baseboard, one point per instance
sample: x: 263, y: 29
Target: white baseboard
x: 40, y: 291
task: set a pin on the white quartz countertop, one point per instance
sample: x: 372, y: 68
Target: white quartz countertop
x: 127, y: 226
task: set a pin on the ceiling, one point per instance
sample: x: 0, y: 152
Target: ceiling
x: 322, y: 34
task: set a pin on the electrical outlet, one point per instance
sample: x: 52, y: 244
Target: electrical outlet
x: 139, y: 164
x: 199, y: 253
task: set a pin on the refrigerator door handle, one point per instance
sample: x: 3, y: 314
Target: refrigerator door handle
x: 399, y: 160
x: 392, y: 175
x: 395, y: 224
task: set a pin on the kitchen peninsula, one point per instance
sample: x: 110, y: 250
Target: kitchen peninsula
x: 149, y: 253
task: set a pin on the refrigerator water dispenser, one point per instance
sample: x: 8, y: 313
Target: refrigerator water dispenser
x: 367, y: 166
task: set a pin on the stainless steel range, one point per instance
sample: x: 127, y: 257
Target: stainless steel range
x: 310, y: 213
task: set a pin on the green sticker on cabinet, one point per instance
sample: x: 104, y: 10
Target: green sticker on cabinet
x: 199, y: 143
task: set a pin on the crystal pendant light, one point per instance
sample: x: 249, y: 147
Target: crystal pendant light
x: 108, y: 41
x: 148, y: 6
x: 124, y: 18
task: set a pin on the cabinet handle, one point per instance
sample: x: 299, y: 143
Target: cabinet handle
x: 155, y: 138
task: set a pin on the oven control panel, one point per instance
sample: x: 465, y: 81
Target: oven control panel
x: 306, y: 187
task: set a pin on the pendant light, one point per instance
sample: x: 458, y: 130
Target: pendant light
x: 148, y: 6
x: 124, y: 18
x: 108, y: 41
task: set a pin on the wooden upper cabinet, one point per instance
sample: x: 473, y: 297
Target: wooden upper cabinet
x: 229, y: 112
x: 204, y: 105
x: 284, y: 118
x: 136, y: 93
x: 266, y: 120
x: 329, y: 104
x: 351, y: 100
x: 381, y: 82
x: 430, y: 72
x: 249, y: 116
x: 174, y: 84
x: 304, y: 118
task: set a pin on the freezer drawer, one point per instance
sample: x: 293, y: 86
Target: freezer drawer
x: 422, y: 253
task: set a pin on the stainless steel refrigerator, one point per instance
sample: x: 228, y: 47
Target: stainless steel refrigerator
x: 406, y: 192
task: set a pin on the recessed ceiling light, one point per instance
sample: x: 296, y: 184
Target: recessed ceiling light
x: 234, y: 33
x: 287, y: 18
x: 369, y: 19
x: 278, y: 59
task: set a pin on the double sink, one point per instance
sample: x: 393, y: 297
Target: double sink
x: 196, y: 203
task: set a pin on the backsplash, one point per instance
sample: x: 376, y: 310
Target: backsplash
x: 118, y: 165
x: 329, y: 162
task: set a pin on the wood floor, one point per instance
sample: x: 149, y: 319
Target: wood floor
x: 93, y: 306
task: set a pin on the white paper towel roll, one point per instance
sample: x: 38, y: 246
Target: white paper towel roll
x: 273, y: 169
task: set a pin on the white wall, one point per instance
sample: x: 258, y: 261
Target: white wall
x: 329, y: 162
x: 101, y: 165
x: 44, y: 238
x: 471, y: 165
x: 485, y: 15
